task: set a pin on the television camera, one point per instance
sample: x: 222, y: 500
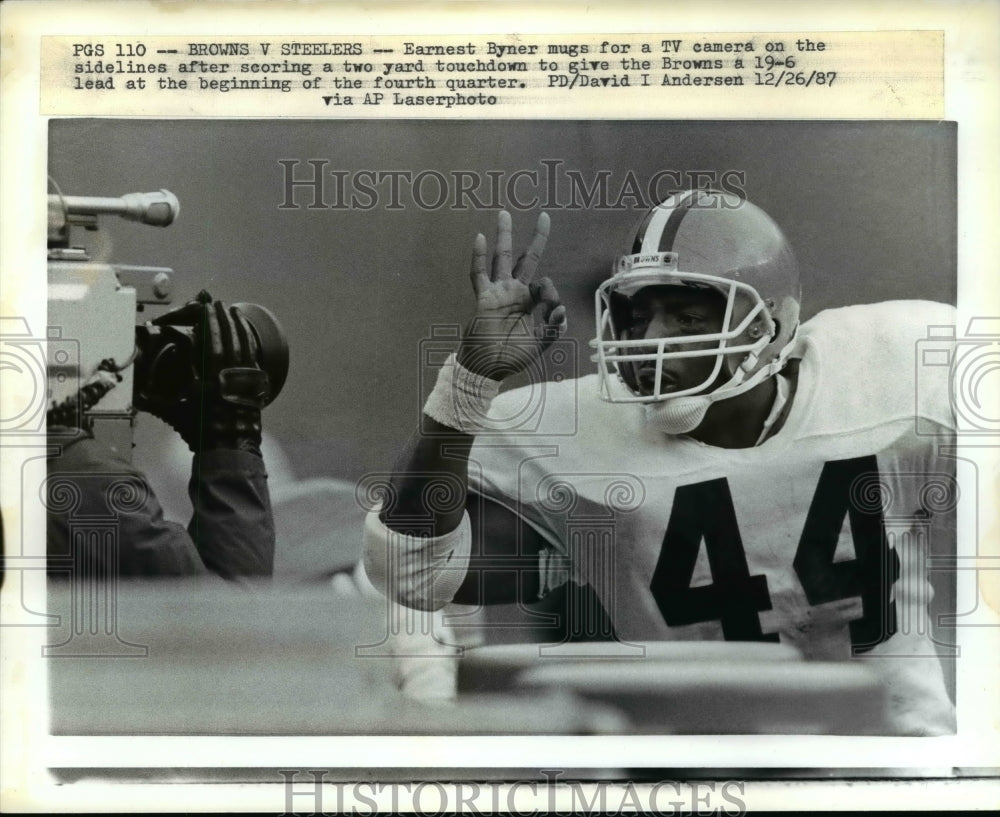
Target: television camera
x: 102, y: 358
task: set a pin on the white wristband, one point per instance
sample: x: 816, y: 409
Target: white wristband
x: 461, y: 399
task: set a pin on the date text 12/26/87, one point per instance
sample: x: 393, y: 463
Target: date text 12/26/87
x: 801, y: 78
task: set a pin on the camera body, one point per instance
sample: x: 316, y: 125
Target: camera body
x: 102, y: 358
x: 94, y: 306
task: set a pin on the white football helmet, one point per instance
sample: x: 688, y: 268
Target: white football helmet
x: 701, y: 239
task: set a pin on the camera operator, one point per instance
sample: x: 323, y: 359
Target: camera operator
x: 231, y: 532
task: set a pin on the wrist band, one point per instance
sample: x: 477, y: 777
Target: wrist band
x: 461, y: 399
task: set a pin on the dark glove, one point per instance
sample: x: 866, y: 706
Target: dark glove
x: 222, y: 408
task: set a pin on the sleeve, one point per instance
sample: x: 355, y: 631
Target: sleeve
x: 98, y: 502
x: 232, y: 525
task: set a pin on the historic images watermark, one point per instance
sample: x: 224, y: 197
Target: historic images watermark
x: 25, y: 371
x: 972, y: 360
x: 317, y: 184
x: 966, y: 363
x: 307, y: 792
x: 87, y: 624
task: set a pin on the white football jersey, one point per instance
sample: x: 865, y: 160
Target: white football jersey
x: 818, y: 537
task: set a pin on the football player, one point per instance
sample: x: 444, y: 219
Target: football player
x: 727, y: 474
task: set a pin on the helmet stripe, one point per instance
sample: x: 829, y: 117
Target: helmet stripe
x: 643, y: 229
x: 676, y: 217
x: 661, y: 230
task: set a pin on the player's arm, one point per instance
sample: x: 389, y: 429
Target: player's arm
x: 418, y: 547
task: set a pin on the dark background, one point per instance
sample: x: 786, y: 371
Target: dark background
x: 869, y: 208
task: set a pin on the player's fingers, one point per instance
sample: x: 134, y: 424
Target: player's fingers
x: 553, y: 325
x: 528, y: 263
x: 557, y: 319
x: 543, y: 291
x: 553, y: 328
x: 503, y: 252
x: 477, y: 272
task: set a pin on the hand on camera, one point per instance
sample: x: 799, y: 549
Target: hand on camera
x: 500, y: 340
x: 229, y: 389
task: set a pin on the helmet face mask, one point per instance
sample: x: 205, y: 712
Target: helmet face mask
x: 699, y: 240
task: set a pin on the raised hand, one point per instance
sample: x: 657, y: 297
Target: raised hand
x: 501, y: 339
